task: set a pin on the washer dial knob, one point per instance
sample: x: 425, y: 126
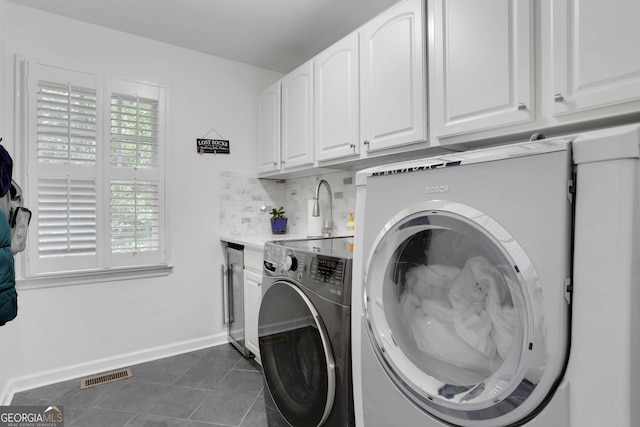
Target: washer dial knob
x: 290, y: 263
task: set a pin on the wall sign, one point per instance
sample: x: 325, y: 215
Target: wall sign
x: 215, y: 146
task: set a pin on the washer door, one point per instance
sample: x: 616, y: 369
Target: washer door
x: 453, y: 308
x: 297, y: 361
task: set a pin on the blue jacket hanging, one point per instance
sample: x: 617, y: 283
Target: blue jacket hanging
x: 8, y: 294
x: 6, y: 169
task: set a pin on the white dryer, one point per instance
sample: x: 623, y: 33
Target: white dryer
x: 478, y: 282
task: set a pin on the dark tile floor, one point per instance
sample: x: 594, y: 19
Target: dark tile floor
x: 210, y: 387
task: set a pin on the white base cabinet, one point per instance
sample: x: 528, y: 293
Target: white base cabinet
x: 252, y: 299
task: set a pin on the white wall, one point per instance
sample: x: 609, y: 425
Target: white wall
x: 63, y: 332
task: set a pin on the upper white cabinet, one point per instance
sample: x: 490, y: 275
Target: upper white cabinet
x: 370, y: 87
x: 596, y: 60
x: 496, y: 68
x: 285, y: 123
x: 362, y: 97
x: 481, y: 62
x: 297, y: 117
x: 392, y: 78
x: 269, y: 129
x: 337, y: 120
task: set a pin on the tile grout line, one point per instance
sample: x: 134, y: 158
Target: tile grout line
x: 210, y: 392
x: 132, y: 418
x: 251, y: 406
x: 218, y: 384
x: 192, y: 366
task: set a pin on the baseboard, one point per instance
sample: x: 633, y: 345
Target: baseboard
x: 40, y: 379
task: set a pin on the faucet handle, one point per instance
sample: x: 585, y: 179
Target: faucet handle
x: 326, y: 230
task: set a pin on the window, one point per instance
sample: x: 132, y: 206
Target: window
x: 95, y: 172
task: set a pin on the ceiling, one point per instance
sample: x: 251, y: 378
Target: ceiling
x: 273, y: 34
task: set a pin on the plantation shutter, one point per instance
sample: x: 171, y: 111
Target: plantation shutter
x: 134, y: 216
x: 134, y: 132
x: 67, y: 214
x: 63, y: 106
x: 95, y: 174
x: 136, y: 202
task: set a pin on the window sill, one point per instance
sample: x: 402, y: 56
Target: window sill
x: 97, y: 276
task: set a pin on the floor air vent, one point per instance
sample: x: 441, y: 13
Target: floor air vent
x: 105, y: 378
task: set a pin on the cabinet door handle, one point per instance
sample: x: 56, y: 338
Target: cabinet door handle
x: 522, y: 106
x: 366, y: 143
x: 352, y: 146
x: 558, y: 97
x: 275, y: 163
x: 230, y: 293
x: 225, y: 302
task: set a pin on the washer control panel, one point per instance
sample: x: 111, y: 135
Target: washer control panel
x: 328, y: 270
x: 327, y: 274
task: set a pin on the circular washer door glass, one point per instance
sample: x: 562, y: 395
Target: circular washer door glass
x: 452, y: 309
x: 297, y: 361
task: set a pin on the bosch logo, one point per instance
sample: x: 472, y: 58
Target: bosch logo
x: 437, y: 189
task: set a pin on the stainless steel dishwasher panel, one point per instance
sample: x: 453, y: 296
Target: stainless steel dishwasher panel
x: 233, y: 290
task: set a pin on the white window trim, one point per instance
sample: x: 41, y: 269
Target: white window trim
x: 105, y: 272
x: 53, y: 280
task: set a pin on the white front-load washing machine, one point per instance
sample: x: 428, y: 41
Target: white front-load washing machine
x: 498, y: 287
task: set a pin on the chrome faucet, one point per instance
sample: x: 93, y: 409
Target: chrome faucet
x: 326, y: 230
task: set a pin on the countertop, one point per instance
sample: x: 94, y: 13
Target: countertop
x: 257, y: 241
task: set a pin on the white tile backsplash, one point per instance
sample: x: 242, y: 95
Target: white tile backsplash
x: 242, y: 195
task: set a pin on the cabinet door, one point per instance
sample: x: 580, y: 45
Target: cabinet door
x: 269, y: 129
x: 337, y: 120
x: 595, y: 54
x: 253, y: 297
x: 392, y: 77
x: 482, y: 62
x: 297, y: 117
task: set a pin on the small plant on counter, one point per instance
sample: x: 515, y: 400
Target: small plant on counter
x: 278, y: 213
x: 278, y: 221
